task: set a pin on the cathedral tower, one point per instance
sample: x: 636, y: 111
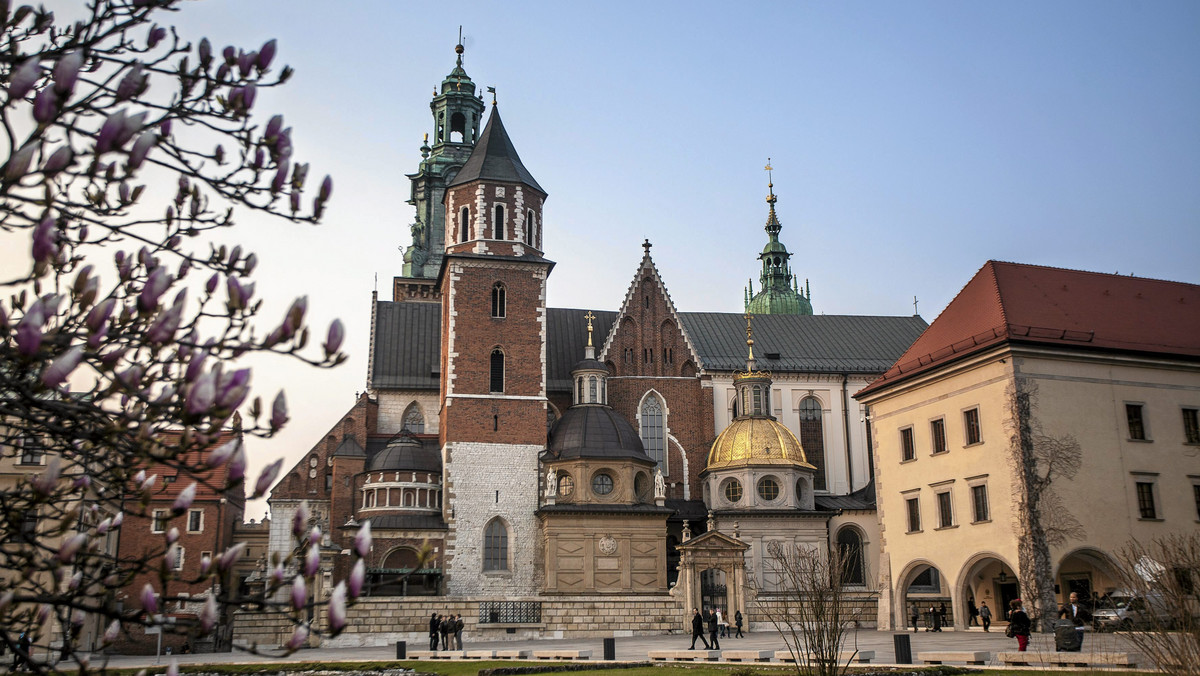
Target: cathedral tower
x: 457, y: 114
x: 493, y: 383
x: 780, y: 294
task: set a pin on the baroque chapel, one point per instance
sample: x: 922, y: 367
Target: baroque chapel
x: 546, y: 458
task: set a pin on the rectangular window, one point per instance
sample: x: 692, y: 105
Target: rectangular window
x: 979, y: 502
x: 179, y: 561
x: 971, y: 423
x: 914, y: 514
x: 1191, y: 426
x: 158, y: 523
x: 32, y: 451
x: 29, y: 522
x: 945, y: 513
x: 908, y: 449
x: 937, y: 432
x: 1145, y: 498
x: 195, y: 521
x: 1137, y: 425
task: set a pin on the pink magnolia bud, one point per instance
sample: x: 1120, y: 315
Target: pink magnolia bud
x: 47, y: 481
x: 112, y: 633
x: 266, y: 478
x: 230, y: 556
x: 165, y: 127
x: 66, y: 72
x: 141, y: 147
x: 110, y: 130
x: 171, y: 557
x: 205, y: 52
x: 358, y: 577
x: 208, y: 615
x: 149, y: 600
x: 299, y: 593
x: 157, y: 33
x: 45, y: 105
x: 172, y: 536
x: 83, y: 482
x: 173, y: 667
x: 362, y: 540
x: 259, y: 158
x: 298, y: 639
x: 220, y: 456
x: 274, y: 126
x: 237, y: 294
x: 236, y: 468
x: 294, y: 200
x: 185, y: 499
x: 157, y: 284
x: 277, y: 576
x: 249, y: 264
x: 205, y: 564
x: 314, y: 536
x: 23, y: 79
x: 57, y: 372
x: 201, y: 394
x: 118, y: 520
x: 68, y: 549
x: 60, y: 159
x: 18, y: 164
x: 326, y: 189
x: 245, y: 61
x: 248, y: 94
x: 277, y: 183
x: 333, y: 340
x: 29, y: 329
x: 337, y: 608
x: 232, y: 389
x: 266, y: 54
x: 164, y: 327
x: 45, y: 240
x: 211, y: 284
x: 312, y: 561
x: 279, y: 416
x: 76, y: 580
x: 300, y: 520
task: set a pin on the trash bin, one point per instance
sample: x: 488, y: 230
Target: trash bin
x: 401, y: 650
x: 610, y: 648
x: 903, y: 648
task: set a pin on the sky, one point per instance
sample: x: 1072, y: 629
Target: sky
x: 911, y: 142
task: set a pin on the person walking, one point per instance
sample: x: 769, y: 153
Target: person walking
x: 697, y: 629
x: 934, y: 619
x: 722, y: 625
x: 1018, y: 624
x: 458, y: 628
x: 737, y: 621
x: 972, y: 612
x: 21, y: 654
x: 713, y: 630
x: 434, y: 623
x: 985, y: 615
x: 916, y: 617
x: 1078, y: 615
x: 942, y: 612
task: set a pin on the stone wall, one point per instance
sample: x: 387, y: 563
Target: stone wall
x: 266, y: 630
x: 859, y: 607
x: 382, y: 621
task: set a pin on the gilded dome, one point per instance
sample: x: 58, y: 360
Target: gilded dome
x: 756, y: 441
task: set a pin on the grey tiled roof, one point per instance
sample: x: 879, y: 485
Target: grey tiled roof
x: 567, y: 332
x: 494, y: 158
x: 861, y: 499
x: 813, y: 343
x: 407, y: 345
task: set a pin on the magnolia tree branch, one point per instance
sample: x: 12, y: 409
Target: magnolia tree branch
x: 127, y: 154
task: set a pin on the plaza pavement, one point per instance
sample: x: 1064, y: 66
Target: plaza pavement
x: 635, y: 648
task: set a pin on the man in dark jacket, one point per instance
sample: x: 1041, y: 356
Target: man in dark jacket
x: 434, y: 624
x: 458, y: 627
x: 1078, y: 614
x: 444, y: 628
x: 697, y: 629
x: 713, y: 630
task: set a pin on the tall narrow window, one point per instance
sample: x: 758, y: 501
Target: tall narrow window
x: 908, y: 449
x: 495, y: 546
x: 812, y: 438
x: 945, y: 510
x: 971, y: 422
x: 1145, y: 498
x: 937, y: 433
x: 530, y: 239
x: 758, y: 406
x: 850, y: 551
x: 498, y: 224
x: 497, y: 379
x: 1137, y: 424
x: 499, y: 303
x: 914, y: 514
x: 979, y: 502
x: 1191, y: 426
x: 653, y: 433
x: 414, y: 421
x: 592, y: 389
x: 464, y: 218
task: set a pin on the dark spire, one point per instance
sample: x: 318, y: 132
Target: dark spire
x: 495, y: 159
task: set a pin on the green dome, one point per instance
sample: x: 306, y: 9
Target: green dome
x: 779, y: 302
x: 780, y: 293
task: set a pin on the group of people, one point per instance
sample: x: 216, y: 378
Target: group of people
x: 716, y: 625
x: 447, y: 628
x: 979, y: 614
x: 935, y: 617
x: 1019, y: 623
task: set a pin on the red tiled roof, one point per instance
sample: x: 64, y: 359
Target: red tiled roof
x: 1052, y: 306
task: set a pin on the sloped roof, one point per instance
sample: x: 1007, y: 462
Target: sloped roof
x: 407, y: 345
x: 349, y: 448
x: 495, y: 158
x: 1033, y: 304
x: 813, y: 343
x: 567, y: 337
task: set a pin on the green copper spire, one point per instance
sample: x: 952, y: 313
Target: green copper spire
x: 780, y: 294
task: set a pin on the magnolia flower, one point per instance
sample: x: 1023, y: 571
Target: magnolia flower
x: 45, y: 240
x: 156, y: 285
x: 274, y: 125
x: 149, y: 600
x: 66, y: 72
x: 68, y: 549
x: 312, y: 561
x: 141, y: 148
x: 326, y: 189
x: 357, y: 577
x: 172, y: 536
x: 23, y: 79
x: 164, y: 327
x: 236, y: 469
x: 333, y: 340
x: 57, y: 372
x: 171, y: 558
x: 60, y: 159
x: 157, y: 33
x: 18, y: 164
x: 109, y: 131
x: 337, y: 608
x: 45, y: 482
x: 112, y: 633
x: 118, y: 520
x: 208, y: 614
x: 230, y: 557
x: 205, y: 52
x: 299, y: 593
x: 186, y: 497
x: 298, y: 639
x: 201, y: 394
x: 314, y: 536
x: 266, y: 478
x: 279, y: 416
x: 45, y: 105
x: 277, y: 183
x: 222, y: 454
x: 266, y: 54
x: 362, y: 541
x: 300, y: 520
x: 232, y: 389
x: 29, y: 330
x: 83, y: 482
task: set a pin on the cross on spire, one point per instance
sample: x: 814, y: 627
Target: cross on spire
x: 770, y: 183
x: 646, y: 245
x: 589, y: 317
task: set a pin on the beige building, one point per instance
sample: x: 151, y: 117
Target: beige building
x: 1098, y: 373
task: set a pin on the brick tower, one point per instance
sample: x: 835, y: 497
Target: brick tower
x: 493, y: 377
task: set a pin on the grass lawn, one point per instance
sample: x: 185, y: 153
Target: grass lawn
x: 471, y: 668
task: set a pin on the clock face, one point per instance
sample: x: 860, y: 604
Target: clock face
x: 566, y: 486
x: 312, y: 462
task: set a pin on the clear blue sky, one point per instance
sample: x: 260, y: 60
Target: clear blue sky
x: 911, y: 142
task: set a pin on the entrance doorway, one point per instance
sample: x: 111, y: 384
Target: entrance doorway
x: 1007, y: 591
x: 712, y: 589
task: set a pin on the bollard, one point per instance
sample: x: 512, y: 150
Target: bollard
x: 610, y: 649
x: 401, y: 650
x: 903, y: 648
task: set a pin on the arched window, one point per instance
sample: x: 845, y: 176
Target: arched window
x: 579, y: 390
x: 654, y: 432
x: 592, y: 389
x: 498, y: 224
x: 812, y: 438
x: 464, y: 218
x: 850, y: 553
x: 499, y: 304
x: 495, y: 546
x: 497, y: 379
x: 458, y: 128
x: 413, y: 420
x: 530, y: 238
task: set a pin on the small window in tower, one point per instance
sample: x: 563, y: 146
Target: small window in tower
x: 529, y: 238
x: 579, y: 390
x: 498, y: 225
x: 592, y: 389
x: 646, y: 301
x: 497, y: 379
x: 464, y: 218
x: 458, y: 128
x: 499, y: 306
x: 758, y: 405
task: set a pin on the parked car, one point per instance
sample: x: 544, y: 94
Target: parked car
x: 1125, y: 611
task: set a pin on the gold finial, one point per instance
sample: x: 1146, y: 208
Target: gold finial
x: 750, y: 336
x: 427, y: 138
x: 589, y: 317
x: 770, y: 183
x: 492, y: 91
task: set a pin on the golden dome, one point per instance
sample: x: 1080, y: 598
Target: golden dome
x: 756, y: 441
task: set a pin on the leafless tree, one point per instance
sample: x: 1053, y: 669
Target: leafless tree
x: 1039, y: 463
x: 127, y: 153
x: 811, y: 607
x: 1164, y: 577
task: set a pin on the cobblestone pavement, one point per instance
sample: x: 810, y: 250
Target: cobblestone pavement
x: 635, y: 648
